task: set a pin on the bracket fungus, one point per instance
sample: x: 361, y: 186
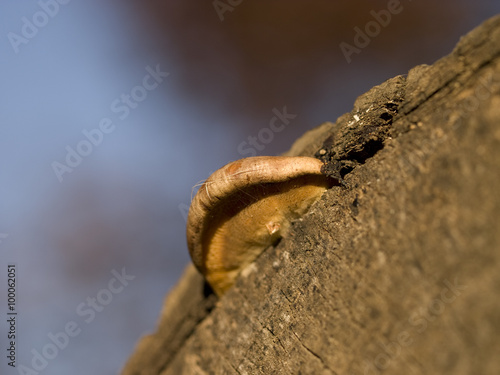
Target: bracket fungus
x: 246, y: 206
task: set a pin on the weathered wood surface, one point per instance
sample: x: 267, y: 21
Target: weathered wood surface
x: 395, y: 272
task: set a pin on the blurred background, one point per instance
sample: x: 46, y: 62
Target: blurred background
x: 75, y: 213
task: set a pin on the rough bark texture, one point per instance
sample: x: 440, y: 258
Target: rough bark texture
x: 394, y: 272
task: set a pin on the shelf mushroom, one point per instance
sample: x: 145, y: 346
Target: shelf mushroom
x: 246, y: 206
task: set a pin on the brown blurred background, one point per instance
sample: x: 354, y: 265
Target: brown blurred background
x: 243, y: 60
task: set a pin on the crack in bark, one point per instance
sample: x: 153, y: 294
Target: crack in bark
x: 313, y: 353
x: 277, y: 338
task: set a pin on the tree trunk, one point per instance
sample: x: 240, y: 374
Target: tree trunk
x: 395, y: 271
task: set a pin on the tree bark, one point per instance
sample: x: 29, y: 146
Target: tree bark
x: 395, y: 271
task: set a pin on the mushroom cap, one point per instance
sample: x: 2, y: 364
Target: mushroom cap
x: 237, y: 185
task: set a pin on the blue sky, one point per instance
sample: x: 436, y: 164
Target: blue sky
x: 59, y: 84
